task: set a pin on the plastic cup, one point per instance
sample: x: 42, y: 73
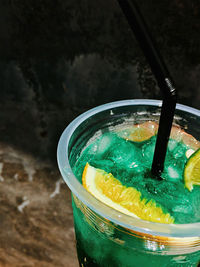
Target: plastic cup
x: 104, y: 236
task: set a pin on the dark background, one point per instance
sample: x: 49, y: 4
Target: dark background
x: 59, y: 58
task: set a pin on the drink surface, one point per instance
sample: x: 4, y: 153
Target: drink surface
x: 130, y: 163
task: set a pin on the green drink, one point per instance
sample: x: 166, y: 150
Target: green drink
x: 107, y: 237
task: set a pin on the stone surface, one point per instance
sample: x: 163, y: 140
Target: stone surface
x: 35, y: 213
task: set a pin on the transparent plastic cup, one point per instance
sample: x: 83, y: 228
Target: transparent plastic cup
x: 104, y: 236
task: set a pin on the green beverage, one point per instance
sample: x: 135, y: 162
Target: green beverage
x: 132, y: 218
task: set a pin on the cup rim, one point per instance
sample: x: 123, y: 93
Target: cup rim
x: 126, y: 221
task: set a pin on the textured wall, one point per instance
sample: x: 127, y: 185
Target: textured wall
x: 60, y: 58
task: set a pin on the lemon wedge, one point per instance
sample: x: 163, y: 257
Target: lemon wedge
x: 127, y: 200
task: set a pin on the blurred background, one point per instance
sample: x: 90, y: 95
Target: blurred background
x: 58, y: 59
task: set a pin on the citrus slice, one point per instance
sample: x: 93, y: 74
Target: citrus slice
x: 127, y: 200
x: 181, y: 136
x: 144, y: 131
x: 140, y: 132
x: 192, y: 171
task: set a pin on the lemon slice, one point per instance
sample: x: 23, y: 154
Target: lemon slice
x: 192, y: 171
x: 127, y: 200
x: 140, y: 132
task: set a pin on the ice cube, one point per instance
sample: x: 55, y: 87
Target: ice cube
x: 103, y: 144
x: 148, y: 151
x: 120, y: 155
x: 136, y: 166
x: 173, y: 173
x: 172, y: 144
x: 178, y: 152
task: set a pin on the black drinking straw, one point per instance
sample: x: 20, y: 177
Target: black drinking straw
x: 159, y: 69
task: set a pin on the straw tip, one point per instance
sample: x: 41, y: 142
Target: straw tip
x: 156, y: 173
x: 153, y: 175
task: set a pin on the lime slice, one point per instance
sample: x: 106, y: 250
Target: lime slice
x: 192, y: 171
x: 128, y: 200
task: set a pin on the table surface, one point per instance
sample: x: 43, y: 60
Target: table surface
x: 36, y: 218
